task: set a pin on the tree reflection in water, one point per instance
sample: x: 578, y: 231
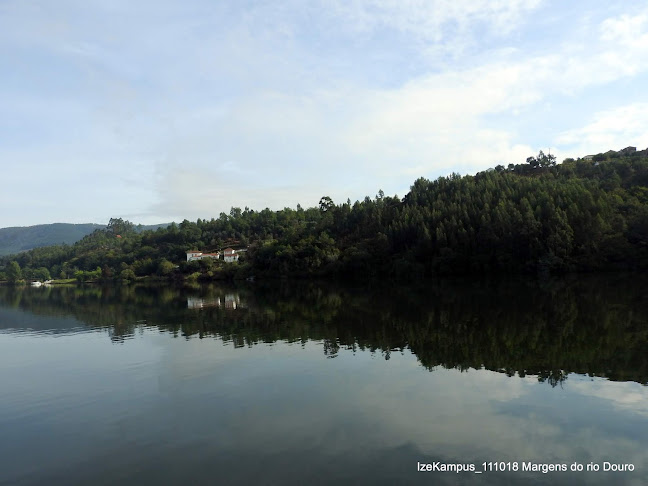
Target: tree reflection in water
x: 594, y: 325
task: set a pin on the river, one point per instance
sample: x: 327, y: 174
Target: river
x: 509, y: 382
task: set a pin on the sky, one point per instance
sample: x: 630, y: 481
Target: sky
x: 158, y: 111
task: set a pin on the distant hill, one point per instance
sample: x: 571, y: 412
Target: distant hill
x: 23, y: 238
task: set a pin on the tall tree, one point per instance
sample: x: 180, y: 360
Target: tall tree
x: 13, y: 272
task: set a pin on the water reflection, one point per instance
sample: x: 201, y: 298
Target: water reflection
x: 593, y: 326
x: 231, y: 301
x: 198, y: 303
x: 246, y: 396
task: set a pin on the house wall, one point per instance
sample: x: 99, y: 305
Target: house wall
x: 201, y: 256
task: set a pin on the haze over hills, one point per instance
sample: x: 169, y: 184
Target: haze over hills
x: 22, y: 238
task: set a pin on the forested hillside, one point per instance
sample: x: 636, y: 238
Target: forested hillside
x: 581, y: 215
x: 23, y: 238
x: 17, y: 239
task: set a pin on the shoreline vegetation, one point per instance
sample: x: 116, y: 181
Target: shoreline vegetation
x: 584, y: 215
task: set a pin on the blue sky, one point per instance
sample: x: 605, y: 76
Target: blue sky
x: 164, y: 110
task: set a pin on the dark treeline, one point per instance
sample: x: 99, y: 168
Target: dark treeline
x: 588, y: 325
x: 581, y: 215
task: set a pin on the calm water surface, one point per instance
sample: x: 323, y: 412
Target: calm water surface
x: 309, y: 384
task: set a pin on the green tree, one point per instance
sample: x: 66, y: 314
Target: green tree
x: 41, y: 274
x: 546, y: 160
x: 14, y: 274
x: 119, y: 226
x: 326, y: 203
x: 165, y: 267
x: 128, y: 275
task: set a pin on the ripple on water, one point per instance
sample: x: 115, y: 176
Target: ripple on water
x: 24, y: 332
x: 28, y: 332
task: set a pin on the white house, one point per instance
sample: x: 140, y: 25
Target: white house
x: 230, y: 255
x: 199, y: 255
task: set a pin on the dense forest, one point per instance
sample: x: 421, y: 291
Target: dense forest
x: 581, y: 215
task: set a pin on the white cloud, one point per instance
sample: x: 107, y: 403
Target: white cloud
x: 610, y: 130
x: 283, y: 103
x: 198, y: 192
x: 429, y: 19
x: 327, y: 141
x: 624, y: 396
